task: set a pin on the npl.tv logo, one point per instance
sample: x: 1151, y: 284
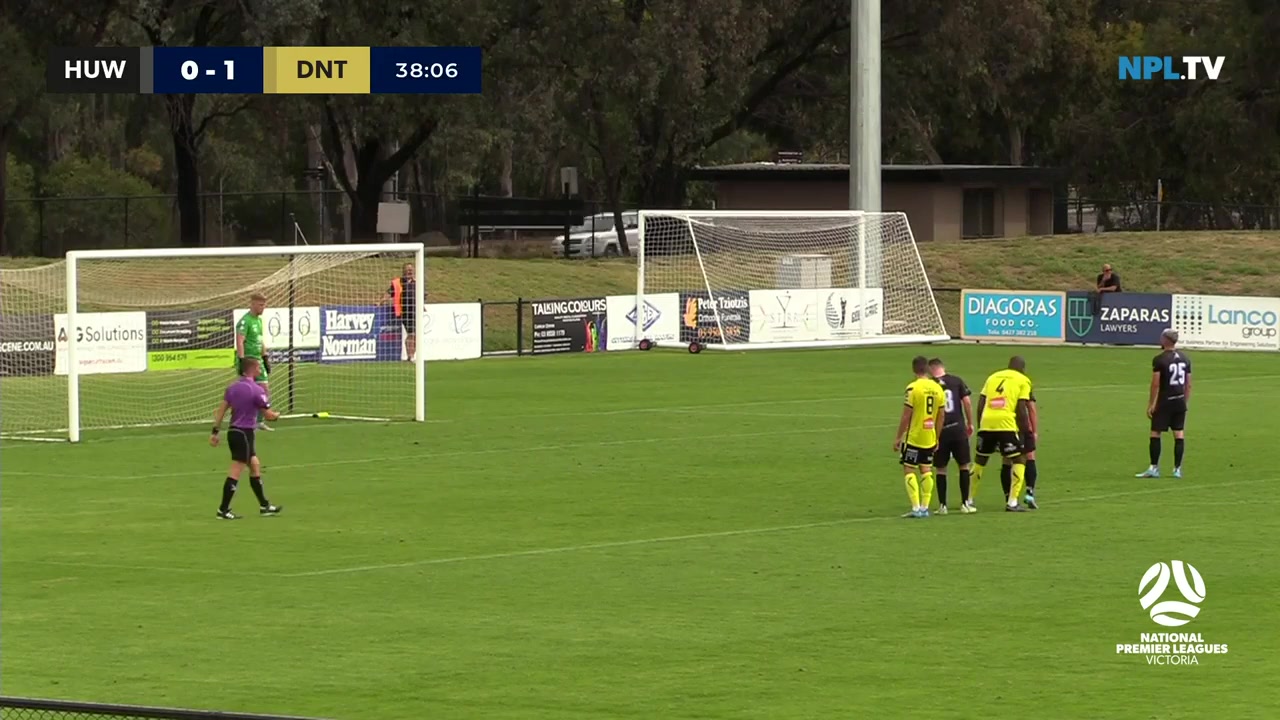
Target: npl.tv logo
x: 1153, y: 67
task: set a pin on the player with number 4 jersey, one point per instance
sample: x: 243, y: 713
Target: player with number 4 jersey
x: 1167, y: 402
x: 1004, y: 420
x: 924, y: 409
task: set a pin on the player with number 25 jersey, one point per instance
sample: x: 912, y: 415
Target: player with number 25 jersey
x: 1167, y: 402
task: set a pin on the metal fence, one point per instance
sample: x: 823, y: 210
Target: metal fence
x: 1089, y: 215
x: 14, y: 708
x: 50, y: 226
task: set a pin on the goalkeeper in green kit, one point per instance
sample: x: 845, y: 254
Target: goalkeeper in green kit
x: 251, y: 343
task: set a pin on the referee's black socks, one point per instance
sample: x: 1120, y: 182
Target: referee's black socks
x: 964, y: 485
x: 940, y: 484
x: 1006, y: 480
x: 1031, y: 477
x: 1154, y: 447
x: 1179, y: 447
x: 256, y: 484
x: 228, y: 491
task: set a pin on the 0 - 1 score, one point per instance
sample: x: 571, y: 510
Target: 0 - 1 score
x: 434, y: 71
x: 191, y: 71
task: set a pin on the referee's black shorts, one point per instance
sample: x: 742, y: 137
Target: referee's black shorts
x: 953, y: 444
x: 240, y: 442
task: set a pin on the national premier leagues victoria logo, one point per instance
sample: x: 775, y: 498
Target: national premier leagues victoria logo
x: 1171, y: 607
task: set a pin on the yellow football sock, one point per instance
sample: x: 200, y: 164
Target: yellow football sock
x: 926, y: 489
x: 913, y: 490
x: 1019, y: 483
x: 975, y: 481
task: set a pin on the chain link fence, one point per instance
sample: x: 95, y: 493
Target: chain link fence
x: 1091, y: 215
x: 51, y: 226
x: 13, y: 708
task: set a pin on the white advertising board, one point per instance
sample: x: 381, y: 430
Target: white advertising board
x: 819, y: 314
x: 114, y: 342
x: 451, y: 331
x: 275, y: 323
x: 1219, y: 322
x: 660, y: 322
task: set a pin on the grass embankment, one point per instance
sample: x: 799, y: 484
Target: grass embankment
x: 1211, y: 263
x: 1225, y: 263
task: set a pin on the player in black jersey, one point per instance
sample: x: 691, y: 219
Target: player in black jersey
x: 1167, y: 404
x: 953, y: 441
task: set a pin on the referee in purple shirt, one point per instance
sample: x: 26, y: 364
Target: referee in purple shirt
x: 245, y: 398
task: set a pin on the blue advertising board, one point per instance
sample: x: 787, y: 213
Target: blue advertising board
x: 1118, y: 318
x: 358, y: 333
x: 1013, y: 316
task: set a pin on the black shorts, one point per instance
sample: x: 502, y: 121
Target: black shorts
x: 241, y: 444
x: 912, y: 455
x: 953, y: 444
x: 408, y: 322
x: 1029, y: 443
x: 1005, y: 442
x: 1169, y: 416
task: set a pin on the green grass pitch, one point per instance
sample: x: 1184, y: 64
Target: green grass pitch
x: 654, y: 535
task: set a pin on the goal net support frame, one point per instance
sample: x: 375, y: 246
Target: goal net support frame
x: 854, y: 254
x: 75, y: 260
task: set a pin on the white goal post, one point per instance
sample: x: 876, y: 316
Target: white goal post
x: 114, y: 339
x: 758, y: 279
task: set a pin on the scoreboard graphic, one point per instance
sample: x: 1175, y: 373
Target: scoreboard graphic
x: 266, y: 70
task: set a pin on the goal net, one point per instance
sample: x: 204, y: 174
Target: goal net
x: 772, y: 279
x: 111, y: 339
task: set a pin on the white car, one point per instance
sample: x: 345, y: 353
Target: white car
x: 596, y: 237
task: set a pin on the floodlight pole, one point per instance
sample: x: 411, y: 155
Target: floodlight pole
x: 864, y: 105
x: 864, y: 129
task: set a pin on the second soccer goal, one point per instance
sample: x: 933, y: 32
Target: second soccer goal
x: 744, y: 280
x: 114, y: 339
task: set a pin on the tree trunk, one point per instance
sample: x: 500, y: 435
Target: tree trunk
x: 505, y: 180
x: 662, y: 186
x: 4, y: 182
x: 186, y: 164
x: 364, y: 210
x: 1017, y: 142
x: 613, y: 193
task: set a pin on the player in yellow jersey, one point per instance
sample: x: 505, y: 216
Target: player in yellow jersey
x: 1004, y: 420
x: 917, y: 437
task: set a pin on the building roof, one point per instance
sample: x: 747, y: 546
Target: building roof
x: 835, y: 172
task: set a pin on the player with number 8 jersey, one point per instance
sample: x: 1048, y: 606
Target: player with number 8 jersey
x: 917, y: 439
x: 1167, y: 402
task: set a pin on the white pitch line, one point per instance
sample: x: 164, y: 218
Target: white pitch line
x: 684, y: 538
x: 12, y: 445
x: 267, y: 467
x: 577, y: 548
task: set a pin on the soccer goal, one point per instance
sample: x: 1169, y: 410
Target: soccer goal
x: 747, y: 280
x: 111, y: 339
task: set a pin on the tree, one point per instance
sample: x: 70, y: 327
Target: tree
x: 200, y: 24
x: 28, y: 29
